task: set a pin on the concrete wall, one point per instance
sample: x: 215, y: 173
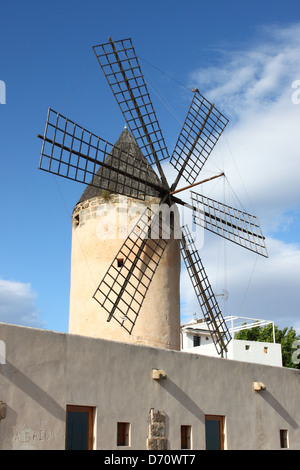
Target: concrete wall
x: 45, y: 371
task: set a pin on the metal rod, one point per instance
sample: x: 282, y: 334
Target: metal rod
x: 195, y: 184
x: 127, y: 279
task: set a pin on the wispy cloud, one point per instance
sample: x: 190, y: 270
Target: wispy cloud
x: 259, y: 153
x: 18, y: 304
x: 255, y: 76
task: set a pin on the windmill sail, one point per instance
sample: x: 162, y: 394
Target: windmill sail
x: 200, y: 132
x: 121, y: 68
x: 227, y: 222
x: 73, y: 152
x: 123, y: 289
x: 206, y: 298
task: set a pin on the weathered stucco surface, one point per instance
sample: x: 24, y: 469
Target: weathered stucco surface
x: 99, y: 230
x: 45, y: 371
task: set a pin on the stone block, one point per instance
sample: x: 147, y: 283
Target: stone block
x: 157, y: 430
x: 2, y: 410
x: 258, y: 386
x: 157, y: 416
x: 158, y: 374
x: 157, y: 443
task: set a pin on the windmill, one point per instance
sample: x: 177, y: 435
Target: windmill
x: 71, y: 151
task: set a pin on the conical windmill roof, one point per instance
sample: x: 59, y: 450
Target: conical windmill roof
x: 128, y: 145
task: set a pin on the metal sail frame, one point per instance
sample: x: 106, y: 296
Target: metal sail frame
x: 121, y: 68
x: 205, y: 295
x: 124, y: 287
x: 233, y: 224
x: 73, y: 152
x: 200, y: 132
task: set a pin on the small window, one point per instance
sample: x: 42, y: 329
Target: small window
x: 123, y: 434
x: 283, y: 438
x: 214, y: 432
x: 196, y: 340
x: 186, y: 432
x: 76, y: 221
x: 247, y: 347
x: 266, y: 350
x: 79, y: 428
x: 120, y: 262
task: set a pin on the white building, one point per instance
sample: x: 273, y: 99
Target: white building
x: 196, y: 338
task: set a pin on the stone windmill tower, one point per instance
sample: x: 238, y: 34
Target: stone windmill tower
x: 138, y: 273
x: 100, y: 224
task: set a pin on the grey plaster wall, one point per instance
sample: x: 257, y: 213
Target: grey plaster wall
x: 45, y: 371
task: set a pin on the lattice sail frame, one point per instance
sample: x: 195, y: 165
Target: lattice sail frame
x: 123, y: 289
x: 205, y: 295
x: 201, y: 130
x: 122, y: 70
x: 71, y: 151
x: 234, y: 225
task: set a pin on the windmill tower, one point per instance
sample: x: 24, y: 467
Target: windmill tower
x: 100, y: 224
x: 139, y: 277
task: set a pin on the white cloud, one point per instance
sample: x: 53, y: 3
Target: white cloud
x: 250, y: 78
x: 17, y: 304
x: 259, y: 153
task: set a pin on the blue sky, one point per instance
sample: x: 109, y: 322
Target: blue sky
x: 244, y: 56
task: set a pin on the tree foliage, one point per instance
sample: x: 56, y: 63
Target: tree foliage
x: 287, y: 337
